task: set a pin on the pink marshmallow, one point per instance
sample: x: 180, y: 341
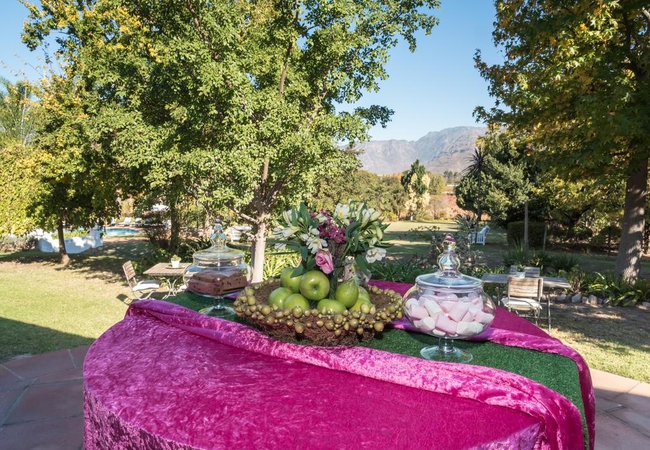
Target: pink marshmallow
x: 469, y: 329
x: 410, y: 303
x: 447, y: 305
x: 468, y: 317
x: 446, y: 325
x: 458, y: 311
x: 418, y: 312
x: 474, y: 309
x: 432, y: 307
x: 483, y: 317
x: 427, y: 324
x: 478, y: 301
x: 451, y: 297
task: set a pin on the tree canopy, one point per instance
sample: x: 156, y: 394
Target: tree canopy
x: 573, y: 85
x: 246, y: 92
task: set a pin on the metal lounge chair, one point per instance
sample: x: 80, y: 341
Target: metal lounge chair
x: 141, y: 289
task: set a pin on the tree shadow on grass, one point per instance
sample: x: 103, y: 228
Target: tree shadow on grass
x: 26, y: 339
x: 104, y: 263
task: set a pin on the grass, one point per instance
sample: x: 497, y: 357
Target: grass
x: 46, y: 307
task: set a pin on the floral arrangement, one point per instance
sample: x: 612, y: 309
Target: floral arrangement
x: 330, y: 241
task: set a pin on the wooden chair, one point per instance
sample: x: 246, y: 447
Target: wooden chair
x: 532, y: 272
x: 140, y: 289
x: 524, y: 298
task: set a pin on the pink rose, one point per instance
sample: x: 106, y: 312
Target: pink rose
x: 324, y: 261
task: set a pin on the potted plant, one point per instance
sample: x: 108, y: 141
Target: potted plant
x: 521, y: 271
x: 176, y: 261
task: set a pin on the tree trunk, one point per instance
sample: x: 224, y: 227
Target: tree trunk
x: 257, y: 252
x: 628, y: 261
x: 526, y: 226
x: 63, y: 254
x: 174, y: 232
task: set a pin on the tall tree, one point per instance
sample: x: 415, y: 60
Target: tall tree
x: 574, y: 81
x: 416, y: 184
x: 477, y: 169
x: 16, y: 116
x: 17, y: 178
x: 77, y: 177
x: 248, y: 90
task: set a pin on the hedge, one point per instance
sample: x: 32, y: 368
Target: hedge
x: 535, y: 234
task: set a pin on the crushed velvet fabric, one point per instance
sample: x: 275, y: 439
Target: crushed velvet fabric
x: 167, y: 377
x: 508, y: 329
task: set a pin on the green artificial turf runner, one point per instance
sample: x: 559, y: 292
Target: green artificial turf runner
x: 553, y: 371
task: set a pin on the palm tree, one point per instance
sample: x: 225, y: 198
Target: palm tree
x: 16, y: 119
x: 477, y: 168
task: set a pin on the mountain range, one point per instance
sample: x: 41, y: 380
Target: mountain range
x: 449, y: 149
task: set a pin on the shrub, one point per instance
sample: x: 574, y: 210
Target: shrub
x: 564, y: 262
x: 617, y: 290
x: 400, y: 271
x: 535, y: 233
x: 12, y: 243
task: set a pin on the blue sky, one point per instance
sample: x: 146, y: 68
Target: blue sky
x: 434, y: 88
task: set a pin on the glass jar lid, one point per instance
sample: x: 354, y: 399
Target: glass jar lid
x: 219, y: 254
x: 448, y: 276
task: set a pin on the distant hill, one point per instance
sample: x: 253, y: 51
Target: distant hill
x: 448, y: 149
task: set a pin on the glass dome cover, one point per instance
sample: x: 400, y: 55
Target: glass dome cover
x: 449, y: 275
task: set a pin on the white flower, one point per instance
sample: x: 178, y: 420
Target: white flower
x: 289, y: 232
x: 278, y: 232
x: 368, y: 215
x: 375, y: 254
x: 286, y: 216
x: 280, y: 247
x: 341, y: 212
x: 314, y: 231
x: 314, y: 243
x: 321, y: 217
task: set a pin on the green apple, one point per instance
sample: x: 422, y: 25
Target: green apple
x: 347, y: 293
x: 328, y: 305
x: 287, y: 281
x: 360, y: 301
x: 314, y: 285
x: 296, y: 300
x: 278, y: 296
x: 363, y: 293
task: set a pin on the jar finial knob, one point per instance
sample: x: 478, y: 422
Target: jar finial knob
x: 448, y: 261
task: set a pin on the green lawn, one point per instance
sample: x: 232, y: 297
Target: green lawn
x: 45, y: 307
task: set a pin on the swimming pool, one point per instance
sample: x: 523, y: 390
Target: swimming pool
x: 117, y: 232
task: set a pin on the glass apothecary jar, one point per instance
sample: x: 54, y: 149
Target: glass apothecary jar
x: 216, y: 272
x: 448, y: 305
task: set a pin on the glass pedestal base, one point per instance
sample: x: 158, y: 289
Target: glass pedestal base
x: 219, y: 309
x: 446, y: 352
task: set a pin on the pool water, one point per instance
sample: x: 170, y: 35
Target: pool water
x: 116, y: 232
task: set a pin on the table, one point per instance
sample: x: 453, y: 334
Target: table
x: 167, y: 377
x: 171, y: 275
x: 549, y: 282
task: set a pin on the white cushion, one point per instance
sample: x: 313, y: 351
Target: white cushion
x: 521, y: 303
x: 148, y: 284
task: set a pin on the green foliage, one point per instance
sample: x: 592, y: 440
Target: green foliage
x: 274, y: 262
x: 619, y: 291
x: 237, y: 101
x: 403, y: 272
x: 416, y: 185
x: 573, y: 85
x: 499, y: 180
x: 383, y: 193
x: 10, y: 244
x: 564, y: 262
x: 535, y: 233
x: 17, y: 118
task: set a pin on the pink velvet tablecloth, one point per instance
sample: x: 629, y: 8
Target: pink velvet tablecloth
x: 169, y: 378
